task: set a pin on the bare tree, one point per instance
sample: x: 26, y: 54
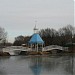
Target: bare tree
x: 66, y: 34
x: 19, y: 40
x: 60, y: 37
x: 3, y: 35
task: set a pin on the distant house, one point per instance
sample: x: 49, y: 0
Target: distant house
x: 71, y: 47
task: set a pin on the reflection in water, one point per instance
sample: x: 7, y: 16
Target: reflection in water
x: 36, y: 65
x: 2, y: 71
x: 68, y: 66
x: 59, y: 65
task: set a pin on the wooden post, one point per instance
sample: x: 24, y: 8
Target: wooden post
x: 31, y: 46
x: 37, y: 47
x: 42, y: 47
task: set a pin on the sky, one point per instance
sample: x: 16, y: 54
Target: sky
x: 18, y: 16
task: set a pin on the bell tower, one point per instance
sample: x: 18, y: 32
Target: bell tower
x: 35, y: 28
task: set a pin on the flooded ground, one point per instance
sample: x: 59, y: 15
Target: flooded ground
x: 37, y: 65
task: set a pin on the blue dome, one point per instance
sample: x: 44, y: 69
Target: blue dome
x: 36, y: 39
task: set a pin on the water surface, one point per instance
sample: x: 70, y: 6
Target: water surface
x: 37, y: 65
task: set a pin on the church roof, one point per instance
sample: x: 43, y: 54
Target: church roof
x: 36, y: 39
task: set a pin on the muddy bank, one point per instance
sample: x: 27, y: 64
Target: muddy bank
x: 4, y: 54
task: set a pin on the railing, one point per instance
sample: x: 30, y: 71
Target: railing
x: 52, y: 47
x: 16, y: 48
x: 47, y: 48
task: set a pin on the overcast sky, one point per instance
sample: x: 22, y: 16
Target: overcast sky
x: 18, y: 16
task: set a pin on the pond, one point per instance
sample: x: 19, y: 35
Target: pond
x: 37, y: 65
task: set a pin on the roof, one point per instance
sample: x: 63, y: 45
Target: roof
x: 70, y: 44
x: 36, y: 39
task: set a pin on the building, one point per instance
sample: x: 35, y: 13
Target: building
x: 71, y: 47
x: 36, y: 41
